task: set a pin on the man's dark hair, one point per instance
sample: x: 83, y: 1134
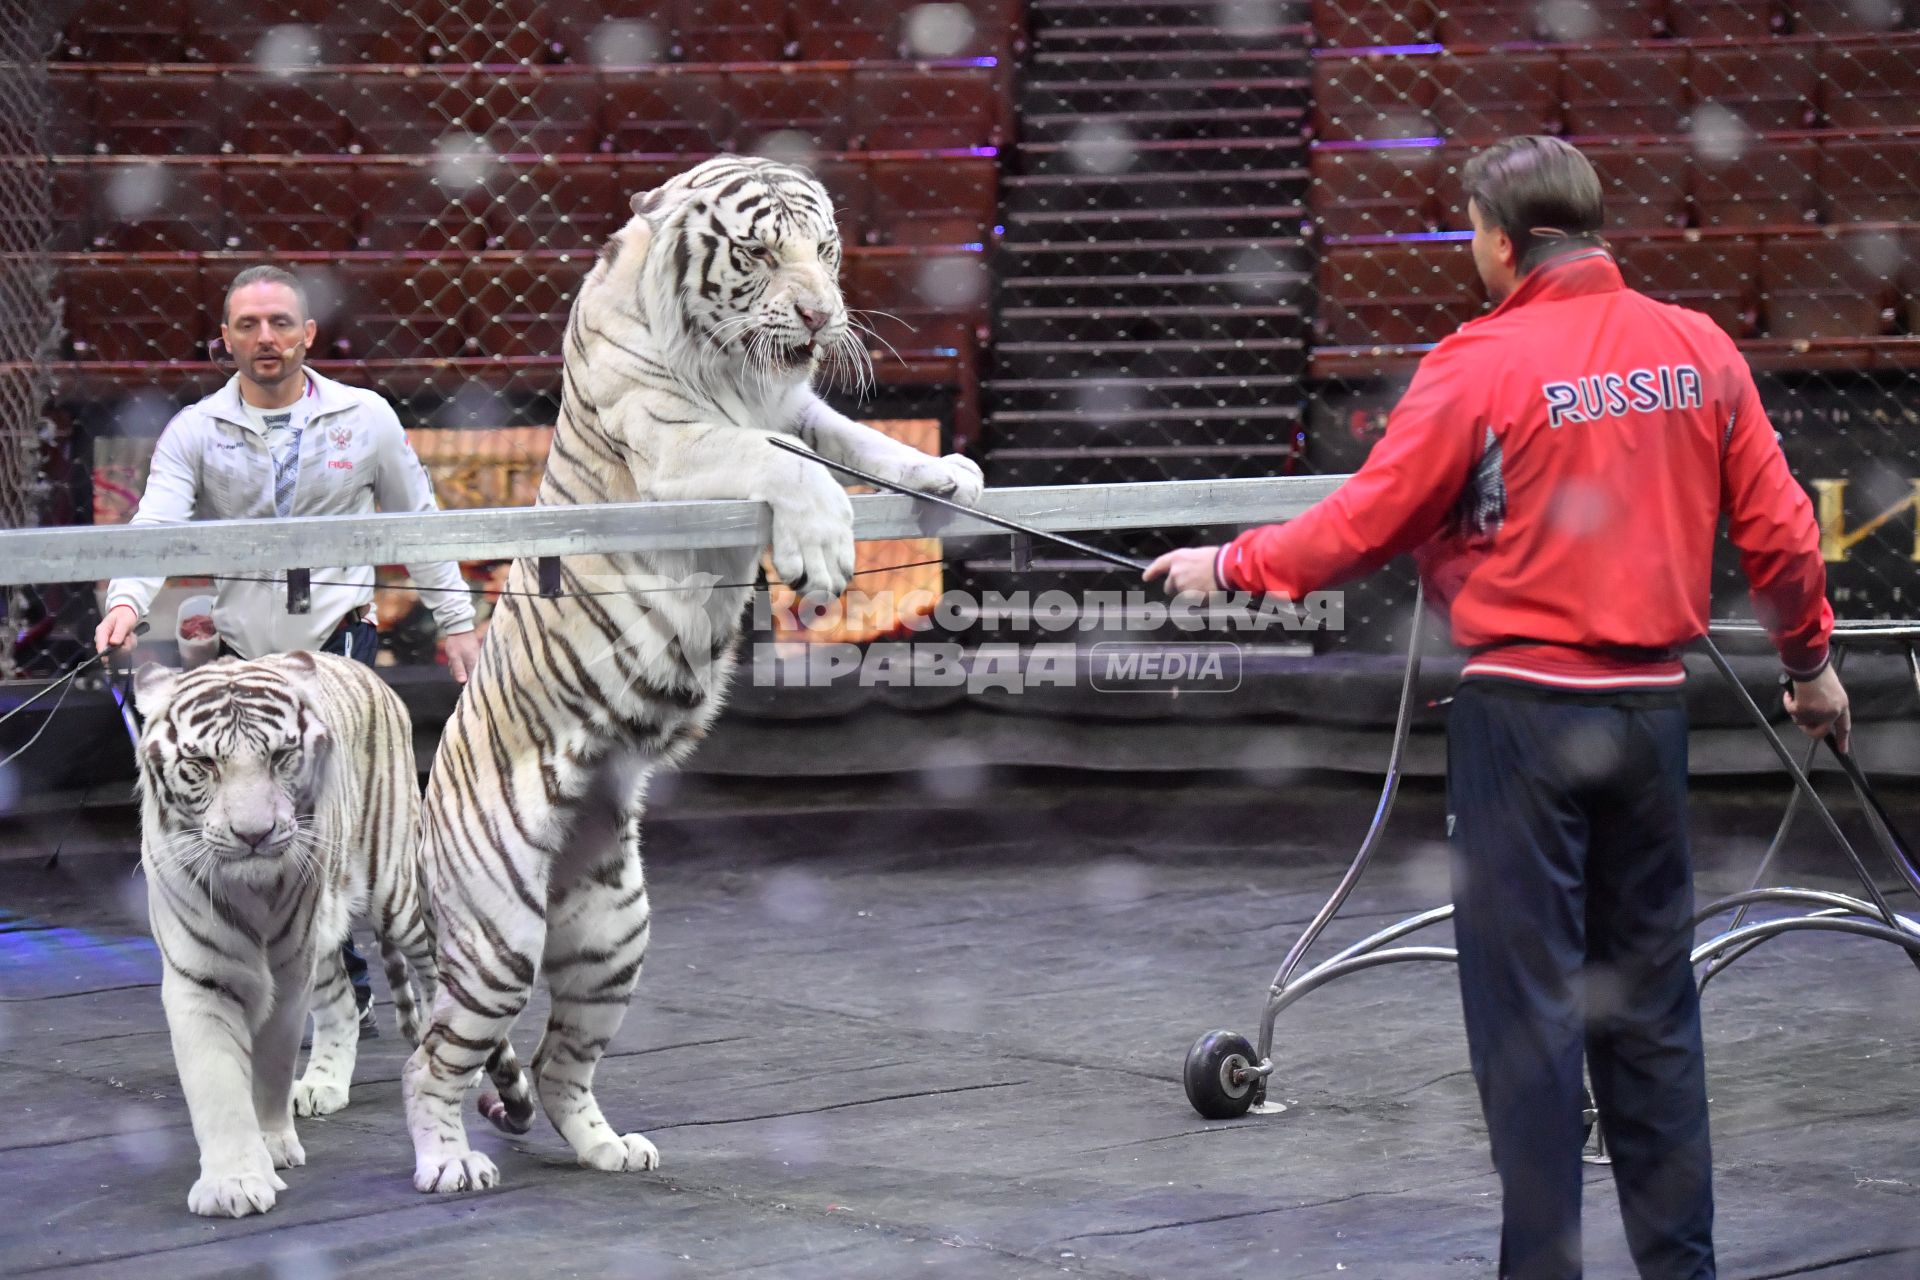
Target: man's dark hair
x: 265, y: 273
x: 1529, y: 185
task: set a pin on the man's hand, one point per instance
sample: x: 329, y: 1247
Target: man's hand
x: 1188, y: 569
x: 463, y: 654
x: 1819, y: 707
x: 116, y: 630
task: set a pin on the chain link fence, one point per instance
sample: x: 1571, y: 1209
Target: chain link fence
x: 1761, y: 164
x: 1101, y: 240
x: 441, y: 174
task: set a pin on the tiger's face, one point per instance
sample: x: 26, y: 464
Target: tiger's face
x: 752, y: 252
x: 233, y: 757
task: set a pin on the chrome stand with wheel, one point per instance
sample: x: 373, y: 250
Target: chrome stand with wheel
x: 1226, y: 1077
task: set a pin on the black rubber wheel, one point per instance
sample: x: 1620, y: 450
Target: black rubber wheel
x: 1219, y: 1079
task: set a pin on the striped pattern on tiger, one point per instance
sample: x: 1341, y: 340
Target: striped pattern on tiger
x: 278, y: 799
x: 694, y: 340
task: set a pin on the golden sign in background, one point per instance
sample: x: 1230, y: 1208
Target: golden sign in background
x: 502, y: 468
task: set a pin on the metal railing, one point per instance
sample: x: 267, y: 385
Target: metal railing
x: 82, y: 554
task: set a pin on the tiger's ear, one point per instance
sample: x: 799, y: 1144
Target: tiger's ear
x: 657, y: 205
x: 153, y: 688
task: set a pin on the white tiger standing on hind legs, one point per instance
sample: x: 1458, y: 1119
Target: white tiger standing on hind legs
x: 277, y: 800
x: 694, y: 340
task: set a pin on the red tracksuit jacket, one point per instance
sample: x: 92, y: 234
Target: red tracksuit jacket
x: 1559, y: 466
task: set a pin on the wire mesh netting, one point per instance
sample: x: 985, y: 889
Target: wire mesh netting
x: 441, y: 175
x: 1102, y: 240
x: 1760, y: 166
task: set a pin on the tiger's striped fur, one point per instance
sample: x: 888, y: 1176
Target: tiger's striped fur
x: 278, y: 799
x: 694, y: 340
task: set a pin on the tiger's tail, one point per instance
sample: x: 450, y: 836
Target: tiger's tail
x: 510, y: 1109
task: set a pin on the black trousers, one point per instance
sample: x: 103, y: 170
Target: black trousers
x: 1573, y: 900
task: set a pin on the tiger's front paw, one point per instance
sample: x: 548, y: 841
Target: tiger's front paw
x: 321, y: 1096
x: 284, y: 1149
x: 628, y: 1153
x: 955, y: 477
x: 813, y: 538
x: 467, y: 1171
x: 233, y: 1195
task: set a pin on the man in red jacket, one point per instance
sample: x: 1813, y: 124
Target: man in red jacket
x: 1558, y: 467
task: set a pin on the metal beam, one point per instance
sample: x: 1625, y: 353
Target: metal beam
x: 85, y: 553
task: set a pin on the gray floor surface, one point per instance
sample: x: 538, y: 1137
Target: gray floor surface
x: 942, y: 1037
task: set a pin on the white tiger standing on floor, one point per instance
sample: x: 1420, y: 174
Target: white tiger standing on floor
x: 278, y: 799
x: 694, y: 340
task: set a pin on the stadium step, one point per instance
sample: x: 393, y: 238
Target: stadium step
x: 1132, y: 36
x: 1218, y: 188
x: 1148, y: 324
x: 1168, y: 126
x: 1101, y: 95
x: 1105, y: 149
x: 1149, y: 290
x: 1073, y: 257
x: 1096, y: 394
x: 1260, y: 222
x: 1275, y: 356
x: 1151, y: 315
x: 1196, y: 66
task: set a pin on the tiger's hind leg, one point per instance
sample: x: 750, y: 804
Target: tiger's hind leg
x: 322, y: 1089
x: 597, y: 932
x: 487, y: 957
x: 406, y: 941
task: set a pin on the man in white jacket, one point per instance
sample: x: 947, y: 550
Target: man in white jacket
x: 279, y: 440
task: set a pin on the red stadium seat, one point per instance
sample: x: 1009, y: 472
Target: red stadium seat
x: 395, y: 310
x: 72, y: 207
x: 70, y: 122
x: 1830, y: 285
x: 1849, y: 17
x: 1343, y: 24
x: 728, y: 30
x: 557, y: 205
x: 1485, y: 97
x: 664, y: 113
x: 914, y: 109
x: 1871, y: 180
x: 1765, y: 183
x: 518, y: 309
x: 1389, y: 294
x: 150, y: 205
x: 268, y: 115
x: 932, y: 201
x: 1718, y: 275
x: 120, y: 31
x: 846, y: 30
x: 846, y: 182
x: 176, y: 113
x: 1375, y: 191
x: 547, y: 114
x: 493, y: 32
x: 814, y: 106
x: 1373, y: 98
x: 1626, y: 92
x: 1472, y: 22
x: 407, y: 114
x: 1645, y: 188
x: 1870, y: 85
x: 1770, y: 89
x: 289, y: 206
x: 410, y: 205
x: 134, y: 311
x: 294, y: 33
x: 1726, y: 19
